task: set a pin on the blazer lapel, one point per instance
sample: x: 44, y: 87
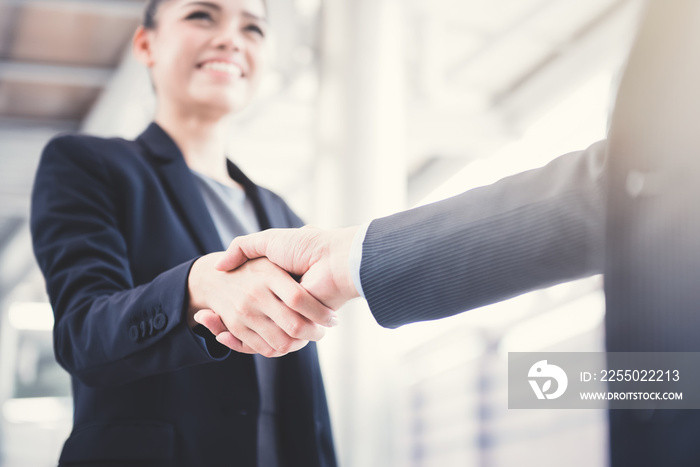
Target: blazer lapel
x: 180, y: 185
x: 269, y: 213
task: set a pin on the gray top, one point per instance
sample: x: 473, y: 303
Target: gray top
x: 233, y: 215
x: 230, y: 208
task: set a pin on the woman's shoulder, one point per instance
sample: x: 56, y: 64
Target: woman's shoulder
x: 77, y: 143
x: 87, y: 151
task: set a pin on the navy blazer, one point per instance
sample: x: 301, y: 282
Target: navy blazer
x: 116, y: 226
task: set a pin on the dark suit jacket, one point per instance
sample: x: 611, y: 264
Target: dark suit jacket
x: 546, y: 226
x: 116, y: 225
x: 634, y: 199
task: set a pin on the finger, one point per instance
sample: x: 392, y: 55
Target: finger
x: 230, y: 341
x: 274, y: 335
x: 242, y: 249
x: 298, y: 345
x: 215, y: 325
x: 211, y: 321
x: 233, y: 343
x: 298, y: 299
x: 292, y: 325
x: 253, y: 336
x: 232, y: 258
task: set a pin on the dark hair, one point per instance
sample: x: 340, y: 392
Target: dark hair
x: 149, y: 16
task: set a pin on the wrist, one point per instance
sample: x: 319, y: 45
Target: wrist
x: 340, y: 249
x: 195, y: 292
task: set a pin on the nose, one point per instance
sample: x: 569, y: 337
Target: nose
x: 229, y: 38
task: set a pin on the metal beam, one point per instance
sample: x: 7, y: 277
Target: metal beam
x: 495, y: 39
x: 124, y: 8
x: 16, y: 258
x: 126, y: 105
x: 8, y: 228
x: 8, y: 28
x: 26, y: 124
x: 55, y: 74
x: 14, y: 205
x: 602, y: 42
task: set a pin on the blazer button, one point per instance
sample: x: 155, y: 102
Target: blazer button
x: 134, y: 333
x: 160, y: 321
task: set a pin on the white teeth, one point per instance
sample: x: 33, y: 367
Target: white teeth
x: 225, y: 67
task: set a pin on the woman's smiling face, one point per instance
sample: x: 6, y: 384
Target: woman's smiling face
x: 205, y: 56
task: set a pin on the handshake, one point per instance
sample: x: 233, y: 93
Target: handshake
x: 272, y: 292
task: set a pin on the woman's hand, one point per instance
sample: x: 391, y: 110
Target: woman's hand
x: 319, y: 257
x: 256, y: 308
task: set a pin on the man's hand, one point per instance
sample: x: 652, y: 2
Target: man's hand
x: 256, y: 308
x: 320, y: 257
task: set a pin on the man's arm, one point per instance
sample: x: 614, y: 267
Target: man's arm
x: 528, y: 231
x: 525, y: 232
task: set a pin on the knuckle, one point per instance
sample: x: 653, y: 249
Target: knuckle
x: 295, y: 299
x: 295, y: 327
x: 234, y: 326
x: 285, y: 346
x: 245, y: 313
x: 249, y: 295
x: 237, y: 331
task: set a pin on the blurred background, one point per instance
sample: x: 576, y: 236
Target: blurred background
x: 371, y: 106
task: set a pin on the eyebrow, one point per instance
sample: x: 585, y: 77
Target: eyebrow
x: 211, y: 5
x: 217, y: 7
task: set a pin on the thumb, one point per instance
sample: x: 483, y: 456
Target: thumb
x: 241, y: 250
x: 231, y: 259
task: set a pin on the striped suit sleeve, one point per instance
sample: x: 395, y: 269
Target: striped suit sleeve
x: 527, y: 231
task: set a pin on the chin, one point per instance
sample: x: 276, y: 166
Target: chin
x: 224, y: 106
x: 226, y: 102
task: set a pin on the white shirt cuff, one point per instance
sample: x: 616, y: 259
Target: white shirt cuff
x: 355, y: 260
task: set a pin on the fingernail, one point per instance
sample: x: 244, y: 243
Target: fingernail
x: 334, y: 321
x: 197, y: 317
